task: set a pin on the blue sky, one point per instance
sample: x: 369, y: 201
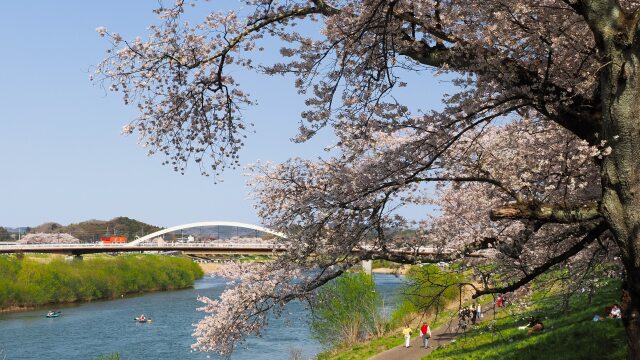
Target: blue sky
x: 62, y: 156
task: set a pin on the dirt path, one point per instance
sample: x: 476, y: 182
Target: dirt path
x: 439, y: 337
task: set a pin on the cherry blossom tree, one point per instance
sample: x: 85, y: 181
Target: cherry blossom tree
x: 535, y: 156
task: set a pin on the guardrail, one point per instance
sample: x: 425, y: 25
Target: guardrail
x: 117, y: 246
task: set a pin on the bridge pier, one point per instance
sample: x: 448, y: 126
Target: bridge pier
x: 367, y: 267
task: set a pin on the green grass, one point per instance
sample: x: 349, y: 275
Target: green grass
x: 364, y: 350
x: 570, y: 335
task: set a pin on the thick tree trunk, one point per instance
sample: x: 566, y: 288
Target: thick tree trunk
x: 620, y: 86
x: 630, y: 316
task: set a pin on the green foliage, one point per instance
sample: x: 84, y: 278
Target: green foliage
x: 4, y: 234
x: 428, y: 290
x: 92, y: 230
x: 346, y: 310
x: 567, y: 335
x: 28, y: 281
x: 377, y: 264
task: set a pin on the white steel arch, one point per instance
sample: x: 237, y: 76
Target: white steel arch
x: 204, y: 224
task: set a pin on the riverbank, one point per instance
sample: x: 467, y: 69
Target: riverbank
x: 402, y: 270
x: 211, y: 268
x: 27, y: 282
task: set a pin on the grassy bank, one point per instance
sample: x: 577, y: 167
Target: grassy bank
x: 569, y: 334
x: 423, y: 297
x: 39, y: 280
x: 364, y: 350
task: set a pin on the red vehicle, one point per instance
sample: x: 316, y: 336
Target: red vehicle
x: 108, y: 240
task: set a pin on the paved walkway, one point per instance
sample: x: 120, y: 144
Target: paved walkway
x: 440, y: 336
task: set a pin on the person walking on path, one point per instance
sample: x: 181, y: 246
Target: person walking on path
x: 474, y: 314
x: 440, y: 336
x: 479, y: 312
x: 407, y: 336
x: 425, y: 332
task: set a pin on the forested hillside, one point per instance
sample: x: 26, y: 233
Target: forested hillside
x: 92, y: 230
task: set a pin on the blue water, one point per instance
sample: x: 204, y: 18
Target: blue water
x: 88, y: 330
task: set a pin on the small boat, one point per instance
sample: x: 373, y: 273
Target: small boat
x: 145, y: 320
x: 53, y: 314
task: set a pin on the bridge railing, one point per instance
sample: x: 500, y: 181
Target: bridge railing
x: 202, y: 245
x: 142, y: 247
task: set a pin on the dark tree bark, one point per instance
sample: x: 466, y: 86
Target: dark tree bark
x: 616, y: 36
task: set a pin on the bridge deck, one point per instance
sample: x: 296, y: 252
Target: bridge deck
x: 193, y: 248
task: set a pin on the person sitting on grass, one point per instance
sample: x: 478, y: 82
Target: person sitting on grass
x: 533, y: 321
x: 615, y: 312
x: 536, y: 326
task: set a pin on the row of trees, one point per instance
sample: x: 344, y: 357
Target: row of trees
x: 5, y: 235
x: 534, y: 153
x: 92, y: 230
x: 32, y: 282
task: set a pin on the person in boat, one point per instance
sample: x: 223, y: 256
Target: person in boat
x: 142, y: 318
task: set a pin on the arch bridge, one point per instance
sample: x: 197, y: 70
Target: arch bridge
x: 204, y: 224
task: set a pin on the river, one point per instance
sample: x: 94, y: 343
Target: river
x: 88, y: 330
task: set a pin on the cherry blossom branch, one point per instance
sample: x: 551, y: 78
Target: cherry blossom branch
x: 592, y: 235
x: 581, y: 116
x: 259, y: 25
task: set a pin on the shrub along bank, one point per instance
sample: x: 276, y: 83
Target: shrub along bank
x: 36, y: 280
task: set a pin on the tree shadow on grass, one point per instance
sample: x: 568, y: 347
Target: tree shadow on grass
x: 572, y: 336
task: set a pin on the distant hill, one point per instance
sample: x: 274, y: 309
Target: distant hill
x: 5, y: 235
x: 92, y: 230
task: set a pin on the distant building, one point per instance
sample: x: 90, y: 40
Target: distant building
x: 108, y: 240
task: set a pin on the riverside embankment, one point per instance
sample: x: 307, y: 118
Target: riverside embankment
x: 27, y: 282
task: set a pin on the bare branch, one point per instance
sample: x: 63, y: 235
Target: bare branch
x: 546, y: 212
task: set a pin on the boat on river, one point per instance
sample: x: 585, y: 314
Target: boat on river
x: 54, y: 314
x: 141, y: 320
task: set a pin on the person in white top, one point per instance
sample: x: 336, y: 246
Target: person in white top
x: 615, y: 312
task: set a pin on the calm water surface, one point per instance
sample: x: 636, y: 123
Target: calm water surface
x: 89, y: 330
